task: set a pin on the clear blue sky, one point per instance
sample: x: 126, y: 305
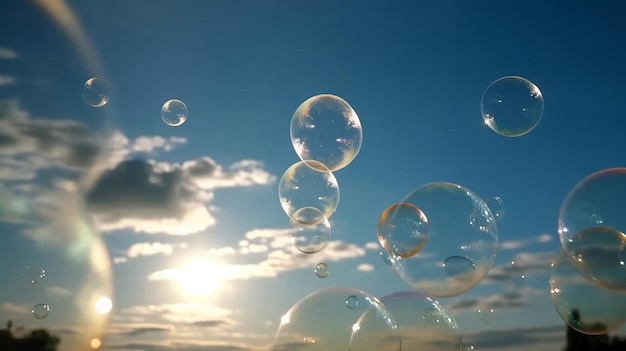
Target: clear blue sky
x: 413, y: 71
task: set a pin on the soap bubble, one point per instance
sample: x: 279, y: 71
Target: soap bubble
x: 40, y: 311
x: 321, y: 270
x: 54, y: 149
x: 321, y: 322
x: 512, y: 106
x: 458, y: 254
x: 486, y: 315
x: 34, y: 274
x: 352, y: 302
x: 592, y: 223
x: 596, y: 251
x: 310, y: 230
x: 96, y: 92
x: 422, y: 323
x: 174, y: 112
x: 325, y: 128
x: 587, y: 308
x: 308, y: 184
x: 402, y: 229
x: 496, y: 205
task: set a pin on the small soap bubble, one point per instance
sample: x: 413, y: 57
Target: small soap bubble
x: 352, y: 302
x: 512, y: 106
x: 34, y: 274
x: 41, y: 311
x: 95, y: 92
x: 310, y: 230
x: 174, y: 112
x: 486, y: 314
x: 402, y: 229
x: 326, y: 128
x: 321, y: 270
x: 496, y: 205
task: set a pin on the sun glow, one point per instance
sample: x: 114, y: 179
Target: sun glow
x: 199, y: 277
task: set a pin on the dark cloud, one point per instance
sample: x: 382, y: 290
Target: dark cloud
x: 144, y: 330
x: 530, y: 338
x: 210, y: 323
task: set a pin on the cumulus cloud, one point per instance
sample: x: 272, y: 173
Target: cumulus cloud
x: 519, y: 244
x: 364, y: 267
x: 372, y: 246
x: 7, y: 53
x: 148, y: 249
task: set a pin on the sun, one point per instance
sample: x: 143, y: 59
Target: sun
x: 198, y: 278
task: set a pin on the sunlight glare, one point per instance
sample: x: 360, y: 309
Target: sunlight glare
x: 199, y: 278
x: 104, y: 305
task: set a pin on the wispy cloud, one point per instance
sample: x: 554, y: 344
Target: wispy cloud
x: 540, y: 338
x: 7, y: 80
x: 7, y: 54
x: 148, y: 249
x: 509, y: 300
x: 519, y: 244
x: 523, y: 265
x: 364, y: 267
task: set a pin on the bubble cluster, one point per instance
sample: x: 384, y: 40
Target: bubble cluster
x: 512, y: 106
x: 322, y: 322
x: 402, y: 230
x: 459, y: 253
x: 591, y: 227
x: 310, y: 230
x: 174, y: 112
x: 96, y: 92
x: 325, y: 128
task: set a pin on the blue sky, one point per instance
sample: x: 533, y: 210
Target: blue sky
x: 413, y: 71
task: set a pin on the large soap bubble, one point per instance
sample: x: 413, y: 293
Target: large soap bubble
x: 422, y: 323
x: 325, y: 128
x: 592, y: 223
x: 462, y: 241
x: 308, y: 184
x: 337, y: 319
x: 53, y: 263
x: 585, y: 307
x: 512, y: 106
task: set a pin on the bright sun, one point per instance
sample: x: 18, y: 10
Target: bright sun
x: 198, y: 278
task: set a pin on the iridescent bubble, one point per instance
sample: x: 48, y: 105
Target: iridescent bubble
x: 448, y: 208
x: 459, y: 268
x: 33, y: 274
x: 496, y: 205
x: 352, y: 302
x: 310, y: 230
x: 592, y: 226
x: 321, y: 322
x: 325, y: 128
x: 487, y: 314
x: 512, y: 106
x: 40, y: 311
x: 174, y: 112
x: 321, y: 270
x: 402, y: 229
x: 96, y: 92
x: 308, y: 184
x: 422, y: 323
x: 585, y: 307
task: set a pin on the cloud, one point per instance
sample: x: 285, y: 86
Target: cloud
x: 152, y: 197
x: 523, y: 265
x: 7, y: 80
x: 364, y: 267
x: 180, y: 313
x: 15, y: 308
x: 118, y: 260
x: 519, y: 244
x: 372, y: 246
x: 58, y: 291
x: 548, y: 337
x: 7, y: 54
x: 147, y: 249
x: 509, y: 300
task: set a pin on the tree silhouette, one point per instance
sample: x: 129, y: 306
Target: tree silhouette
x: 35, y: 340
x: 577, y: 341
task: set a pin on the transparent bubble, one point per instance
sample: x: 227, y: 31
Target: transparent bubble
x: 40, y: 311
x: 585, y: 307
x: 54, y: 149
x: 321, y: 322
x: 325, y: 128
x: 512, y: 106
x: 459, y: 268
x: 352, y: 302
x: 310, y: 230
x: 487, y: 315
x: 174, y: 113
x: 33, y: 274
x: 496, y: 205
x: 321, y: 270
x: 591, y: 220
x: 308, y: 184
x: 422, y: 323
x: 96, y: 92
x: 470, y: 250
x: 402, y: 229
